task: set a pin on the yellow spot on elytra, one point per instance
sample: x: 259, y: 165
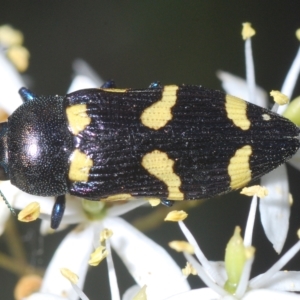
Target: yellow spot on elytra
x: 266, y: 117
x: 117, y: 197
x: 160, y: 165
x: 247, y: 31
x: 236, y: 109
x: 77, y: 117
x: 80, y: 165
x: 30, y: 213
x: 239, y: 167
x: 159, y: 114
x: 114, y: 90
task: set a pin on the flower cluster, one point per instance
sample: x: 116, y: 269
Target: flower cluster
x: 156, y: 274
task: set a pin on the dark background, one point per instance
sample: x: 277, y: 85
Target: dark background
x: 135, y: 43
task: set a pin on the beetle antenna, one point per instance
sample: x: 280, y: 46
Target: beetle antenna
x: 7, y: 204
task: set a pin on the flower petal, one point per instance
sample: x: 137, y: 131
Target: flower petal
x: 203, y: 294
x: 275, y: 208
x: 73, y: 253
x: 238, y: 87
x: 42, y: 296
x: 288, y: 281
x: 131, y: 292
x: 269, y: 294
x: 85, y: 77
x: 147, y: 262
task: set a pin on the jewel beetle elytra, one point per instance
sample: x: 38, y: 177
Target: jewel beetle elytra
x: 170, y: 143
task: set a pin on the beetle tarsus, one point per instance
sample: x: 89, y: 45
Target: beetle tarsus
x: 167, y: 203
x: 58, y: 211
x: 155, y: 85
x: 26, y: 94
x: 110, y: 84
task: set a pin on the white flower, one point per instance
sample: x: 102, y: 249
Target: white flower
x: 147, y: 262
x: 273, y: 284
x: 275, y: 208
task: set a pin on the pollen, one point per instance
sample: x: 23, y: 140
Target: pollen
x: 182, y: 246
x: 298, y: 34
x: 141, y: 295
x: 247, y: 31
x: 259, y: 191
x: 153, y: 201
x: 10, y: 36
x: 19, y: 56
x: 279, y: 98
x: 176, y: 215
x: 105, y: 235
x: 30, y: 213
x: 72, y: 277
x: 97, y: 256
x: 189, y: 270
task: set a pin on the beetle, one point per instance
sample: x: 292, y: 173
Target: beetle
x: 170, y: 143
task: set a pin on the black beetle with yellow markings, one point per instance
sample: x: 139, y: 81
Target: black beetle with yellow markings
x: 167, y: 143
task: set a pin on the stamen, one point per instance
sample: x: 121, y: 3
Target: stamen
x: 204, y: 276
x: 73, y: 278
x: 279, y: 98
x: 182, y: 246
x: 290, y: 80
x: 30, y: 213
x: 176, y: 215
x: 105, y: 235
x: 243, y: 283
x: 114, y: 289
x: 259, y: 191
x: 261, y: 280
x: 250, y: 223
x: 247, y: 33
x: 200, y: 255
x: 189, y: 269
x: 97, y: 256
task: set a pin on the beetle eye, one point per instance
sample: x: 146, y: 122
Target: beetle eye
x: 4, y: 175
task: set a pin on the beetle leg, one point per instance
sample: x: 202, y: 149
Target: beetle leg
x: 155, y: 85
x: 58, y: 211
x: 26, y: 94
x: 167, y: 203
x: 110, y: 84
